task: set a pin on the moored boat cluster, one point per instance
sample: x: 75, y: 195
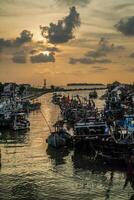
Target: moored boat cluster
x: 109, y: 131
x: 15, y: 106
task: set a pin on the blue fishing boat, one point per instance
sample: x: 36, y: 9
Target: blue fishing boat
x: 60, y: 137
x: 127, y: 122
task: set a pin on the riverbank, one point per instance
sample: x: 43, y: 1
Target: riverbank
x: 46, y: 91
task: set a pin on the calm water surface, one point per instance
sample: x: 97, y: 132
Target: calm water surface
x: 32, y: 171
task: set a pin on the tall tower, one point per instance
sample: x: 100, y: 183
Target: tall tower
x: 45, y: 84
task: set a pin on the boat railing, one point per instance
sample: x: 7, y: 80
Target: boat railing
x: 123, y: 135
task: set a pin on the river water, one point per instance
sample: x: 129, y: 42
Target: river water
x: 31, y: 171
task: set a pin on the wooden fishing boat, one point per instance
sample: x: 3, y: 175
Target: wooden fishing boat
x: 93, y: 94
x: 92, y: 131
x: 19, y: 122
x: 60, y: 137
x: 34, y: 106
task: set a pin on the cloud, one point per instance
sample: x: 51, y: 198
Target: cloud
x: 123, y: 6
x: 99, y: 54
x: 19, y: 57
x: 25, y: 37
x: 5, y: 43
x: 99, y: 69
x: 63, y: 30
x: 24, y: 47
x: 83, y: 60
x: 126, y: 26
x: 131, y: 55
x: 106, y: 46
x: 43, y: 58
x: 103, y: 61
x: 73, y: 61
x: 95, y: 54
x: 86, y: 60
x: 33, y: 51
x: 82, y: 3
x: 52, y: 49
x: 130, y: 69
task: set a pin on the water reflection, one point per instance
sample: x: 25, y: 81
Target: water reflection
x: 57, y: 155
x: 92, y: 174
x: 132, y: 197
x: 129, y: 180
x: 89, y: 161
x: 26, y: 189
x: 30, y: 170
x: 14, y: 137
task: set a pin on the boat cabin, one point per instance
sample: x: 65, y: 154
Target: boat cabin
x: 91, y: 128
x: 20, y: 122
x: 127, y: 122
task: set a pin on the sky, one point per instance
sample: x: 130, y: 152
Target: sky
x: 66, y: 41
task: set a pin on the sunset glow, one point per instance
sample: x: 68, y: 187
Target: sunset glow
x: 77, y: 51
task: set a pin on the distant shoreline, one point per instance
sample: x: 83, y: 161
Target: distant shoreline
x: 85, y: 84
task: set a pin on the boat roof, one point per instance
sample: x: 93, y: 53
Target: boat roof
x: 129, y: 116
x: 21, y: 113
x: 90, y: 124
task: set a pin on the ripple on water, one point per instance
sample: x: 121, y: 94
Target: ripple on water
x: 31, y: 171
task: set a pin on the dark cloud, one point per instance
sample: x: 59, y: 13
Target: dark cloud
x: 63, y: 30
x: 98, y: 55
x: 106, y: 46
x: 25, y: 36
x: 131, y: 55
x: 5, y: 43
x: 52, y: 49
x: 33, y: 51
x: 82, y: 3
x: 73, y: 61
x: 95, y: 54
x: 86, y: 60
x: 99, y: 69
x: 126, y: 26
x: 43, y: 58
x: 19, y: 58
x: 103, y: 61
x: 83, y: 60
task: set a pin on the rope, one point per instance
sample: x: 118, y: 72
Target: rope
x: 46, y: 121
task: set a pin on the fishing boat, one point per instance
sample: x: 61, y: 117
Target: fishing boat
x: 34, y: 106
x: 127, y: 122
x: 93, y: 94
x: 59, y: 138
x: 19, y: 122
x: 89, y: 132
x: 118, y: 147
x: 56, y: 98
